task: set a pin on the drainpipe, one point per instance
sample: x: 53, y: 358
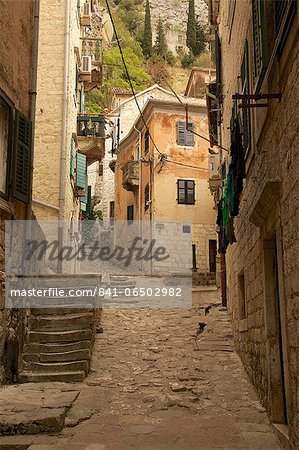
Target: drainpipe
x: 64, y: 131
x: 33, y: 95
x: 64, y: 112
x: 140, y: 181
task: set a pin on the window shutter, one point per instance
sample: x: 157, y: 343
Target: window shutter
x: 72, y: 158
x: 281, y: 7
x: 190, y: 135
x: 245, y: 91
x: 259, y: 41
x: 181, y: 127
x: 81, y: 171
x: 21, y: 188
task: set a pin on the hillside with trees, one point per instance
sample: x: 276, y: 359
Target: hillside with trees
x: 146, y: 51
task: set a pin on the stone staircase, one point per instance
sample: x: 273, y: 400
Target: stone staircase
x: 203, y: 278
x: 58, y: 345
x: 59, y: 341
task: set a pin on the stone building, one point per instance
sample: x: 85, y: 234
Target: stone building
x: 167, y: 180
x: 18, y: 50
x: 256, y: 97
x: 67, y: 139
x: 124, y: 113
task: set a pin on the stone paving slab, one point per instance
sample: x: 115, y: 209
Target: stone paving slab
x: 35, y: 407
x: 152, y: 388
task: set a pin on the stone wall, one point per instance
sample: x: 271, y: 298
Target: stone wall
x: 49, y: 111
x: 16, y: 43
x: 267, y: 227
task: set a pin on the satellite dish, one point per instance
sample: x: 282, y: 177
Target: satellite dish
x: 107, y: 29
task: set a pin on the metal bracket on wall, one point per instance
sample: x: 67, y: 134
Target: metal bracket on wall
x: 256, y: 97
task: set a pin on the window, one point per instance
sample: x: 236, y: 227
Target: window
x: 112, y: 210
x: 185, y: 137
x: 5, y: 119
x: 242, y: 296
x: 146, y: 141
x: 146, y: 197
x: 130, y: 213
x: 186, y: 192
x: 245, y: 91
x: 283, y: 8
x: 259, y: 42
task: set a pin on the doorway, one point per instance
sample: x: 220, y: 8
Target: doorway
x: 212, y: 255
x: 274, y: 333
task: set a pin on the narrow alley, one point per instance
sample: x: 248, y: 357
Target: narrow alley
x: 156, y: 385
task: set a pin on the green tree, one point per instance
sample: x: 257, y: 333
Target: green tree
x: 200, y: 44
x: 160, y: 44
x: 147, y: 41
x: 191, y: 27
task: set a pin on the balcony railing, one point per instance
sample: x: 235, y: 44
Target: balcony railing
x: 130, y: 175
x: 91, y: 125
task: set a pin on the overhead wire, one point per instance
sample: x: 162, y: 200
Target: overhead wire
x: 163, y: 158
x: 129, y: 78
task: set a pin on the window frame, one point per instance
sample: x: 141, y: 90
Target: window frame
x: 259, y: 29
x: 186, y: 190
x: 288, y: 24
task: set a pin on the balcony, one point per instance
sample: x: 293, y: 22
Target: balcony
x: 91, y: 136
x: 92, y: 48
x: 130, y: 175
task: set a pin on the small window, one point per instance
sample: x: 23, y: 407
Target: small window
x: 112, y: 210
x: 186, y: 192
x: 130, y: 213
x: 5, y: 119
x: 146, y: 198
x: 185, y: 137
x: 186, y: 229
x: 146, y: 141
x: 242, y: 296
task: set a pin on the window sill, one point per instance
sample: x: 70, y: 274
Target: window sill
x: 243, y: 326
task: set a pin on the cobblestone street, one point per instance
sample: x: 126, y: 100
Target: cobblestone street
x: 153, y: 386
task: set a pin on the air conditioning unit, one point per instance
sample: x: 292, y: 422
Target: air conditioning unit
x: 86, y: 15
x: 86, y: 9
x: 86, y: 65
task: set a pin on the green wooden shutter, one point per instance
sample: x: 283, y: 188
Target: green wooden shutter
x: 181, y: 127
x: 72, y: 158
x: 81, y: 171
x: 21, y: 188
x: 88, y: 204
x: 245, y: 91
x: 259, y: 41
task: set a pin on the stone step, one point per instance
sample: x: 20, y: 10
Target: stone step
x: 35, y: 347
x: 61, y: 322
x: 61, y: 311
x: 40, y: 377
x: 74, y: 355
x: 64, y: 302
x: 59, y: 336
x: 57, y: 367
x: 122, y: 284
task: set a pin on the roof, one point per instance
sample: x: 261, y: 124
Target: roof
x: 120, y: 91
x: 139, y: 94
x: 193, y: 71
x: 194, y: 104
